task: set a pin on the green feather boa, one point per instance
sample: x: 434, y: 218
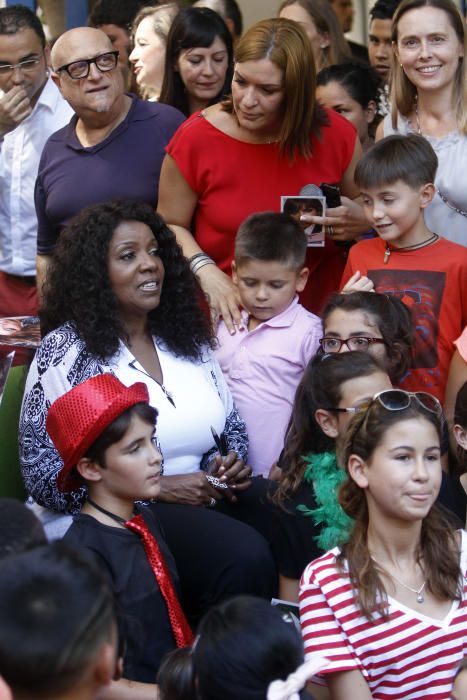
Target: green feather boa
x: 326, y: 477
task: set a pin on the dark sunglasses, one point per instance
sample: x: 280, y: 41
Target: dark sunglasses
x: 77, y: 70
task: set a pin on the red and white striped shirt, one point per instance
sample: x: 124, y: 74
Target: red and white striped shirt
x: 408, y: 656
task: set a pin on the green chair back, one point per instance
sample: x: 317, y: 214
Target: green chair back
x: 11, y: 483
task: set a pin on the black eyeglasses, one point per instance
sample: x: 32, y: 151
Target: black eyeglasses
x: 396, y: 400
x: 77, y: 70
x: 357, y: 342
x: 29, y: 64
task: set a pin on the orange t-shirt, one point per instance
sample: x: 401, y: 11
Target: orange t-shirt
x: 432, y: 282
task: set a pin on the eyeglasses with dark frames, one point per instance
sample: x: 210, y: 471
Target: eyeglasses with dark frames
x: 29, y: 64
x: 356, y: 342
x: 77, y: 70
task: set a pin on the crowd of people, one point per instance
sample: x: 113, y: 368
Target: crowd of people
x: 244, y: 432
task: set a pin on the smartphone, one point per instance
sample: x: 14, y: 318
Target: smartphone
x: 332, y: 194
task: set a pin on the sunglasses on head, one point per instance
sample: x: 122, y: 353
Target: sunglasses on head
x: 398, y: 400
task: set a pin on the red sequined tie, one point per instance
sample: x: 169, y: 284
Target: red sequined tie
x: 180, y: 627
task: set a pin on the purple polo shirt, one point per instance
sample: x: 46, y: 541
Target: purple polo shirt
x: 263, y: 368
x: 126, y: 164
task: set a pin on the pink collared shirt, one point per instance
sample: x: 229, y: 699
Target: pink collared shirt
x: 263, y: 368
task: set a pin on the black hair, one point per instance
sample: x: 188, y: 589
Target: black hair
x: 20, y: 528
x: 78, y: 289
x: 271, y: 236
x: 394, y: 321
x: 460, y: 408
x: 193, y: 27
x: 360, y: 80
x: 244, y: 644
x: 175, y: 677
x: 460, y: 418
x: 17, y: 17
x: 118, y: 12
x: 410, y: 159
x: 117, y: 429
x: 57, y: 612
x: 384, y: 9
x: 320, y: 387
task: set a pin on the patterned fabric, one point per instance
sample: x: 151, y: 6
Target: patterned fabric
x: 61, y: 363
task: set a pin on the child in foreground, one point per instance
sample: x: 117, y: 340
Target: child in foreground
x: 426, y: 271
x: 264, y: 361
x: 104, y: 433
x: 58, y: 632
x: 389, y: 606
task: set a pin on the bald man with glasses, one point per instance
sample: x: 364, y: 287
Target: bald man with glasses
x: 113, y: 146
x: 31, y: 109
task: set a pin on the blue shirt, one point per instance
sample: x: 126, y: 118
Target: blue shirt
x: 126, y: 164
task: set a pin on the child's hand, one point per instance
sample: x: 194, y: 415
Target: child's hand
x: 358, y: 283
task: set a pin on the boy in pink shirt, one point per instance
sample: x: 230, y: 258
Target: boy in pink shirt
x: 264, y: 360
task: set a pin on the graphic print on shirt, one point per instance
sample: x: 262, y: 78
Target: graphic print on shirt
x: 422, y: 292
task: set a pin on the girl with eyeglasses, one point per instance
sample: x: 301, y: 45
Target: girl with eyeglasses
x: 388, y: 606
x: 307, y: 517
x: 379, y: 324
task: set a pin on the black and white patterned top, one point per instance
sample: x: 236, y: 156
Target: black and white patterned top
x: 193, y: 398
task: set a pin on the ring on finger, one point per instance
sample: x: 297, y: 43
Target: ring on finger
x: 331, y: 230
x: 212, y: 502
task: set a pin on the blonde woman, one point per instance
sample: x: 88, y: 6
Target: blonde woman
x: 429, y: 97
x: 150, y: 30
x: 321, y: 27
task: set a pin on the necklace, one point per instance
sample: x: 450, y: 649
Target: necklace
x: 387, y: 253
x: 114, y: 516
x: 418, y: 591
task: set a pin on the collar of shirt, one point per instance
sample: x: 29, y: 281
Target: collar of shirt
x: 282, y: 320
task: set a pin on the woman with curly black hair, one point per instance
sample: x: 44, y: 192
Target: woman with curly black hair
x: 120, y: 298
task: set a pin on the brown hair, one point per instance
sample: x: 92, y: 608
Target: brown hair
x: 403, y: 92
x: 322, y: 15
x: 285, y: 44
x: 320, y: 387
x: 437, y: 549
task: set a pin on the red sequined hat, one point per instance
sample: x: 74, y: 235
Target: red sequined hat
x: 78, y: 418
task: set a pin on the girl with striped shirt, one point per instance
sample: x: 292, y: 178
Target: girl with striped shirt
x: 388, y: 608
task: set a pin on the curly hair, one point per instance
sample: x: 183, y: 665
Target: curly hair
x: 437, y: 549
x: 78, y: 289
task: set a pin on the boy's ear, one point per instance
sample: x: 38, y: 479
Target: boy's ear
x: 327, y: 421
x: 357, y: 470
x: 104, y: 665
x: 88, y: 469
x: 427, y: 193
x: 302, y: 279
x: 460, y: 434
